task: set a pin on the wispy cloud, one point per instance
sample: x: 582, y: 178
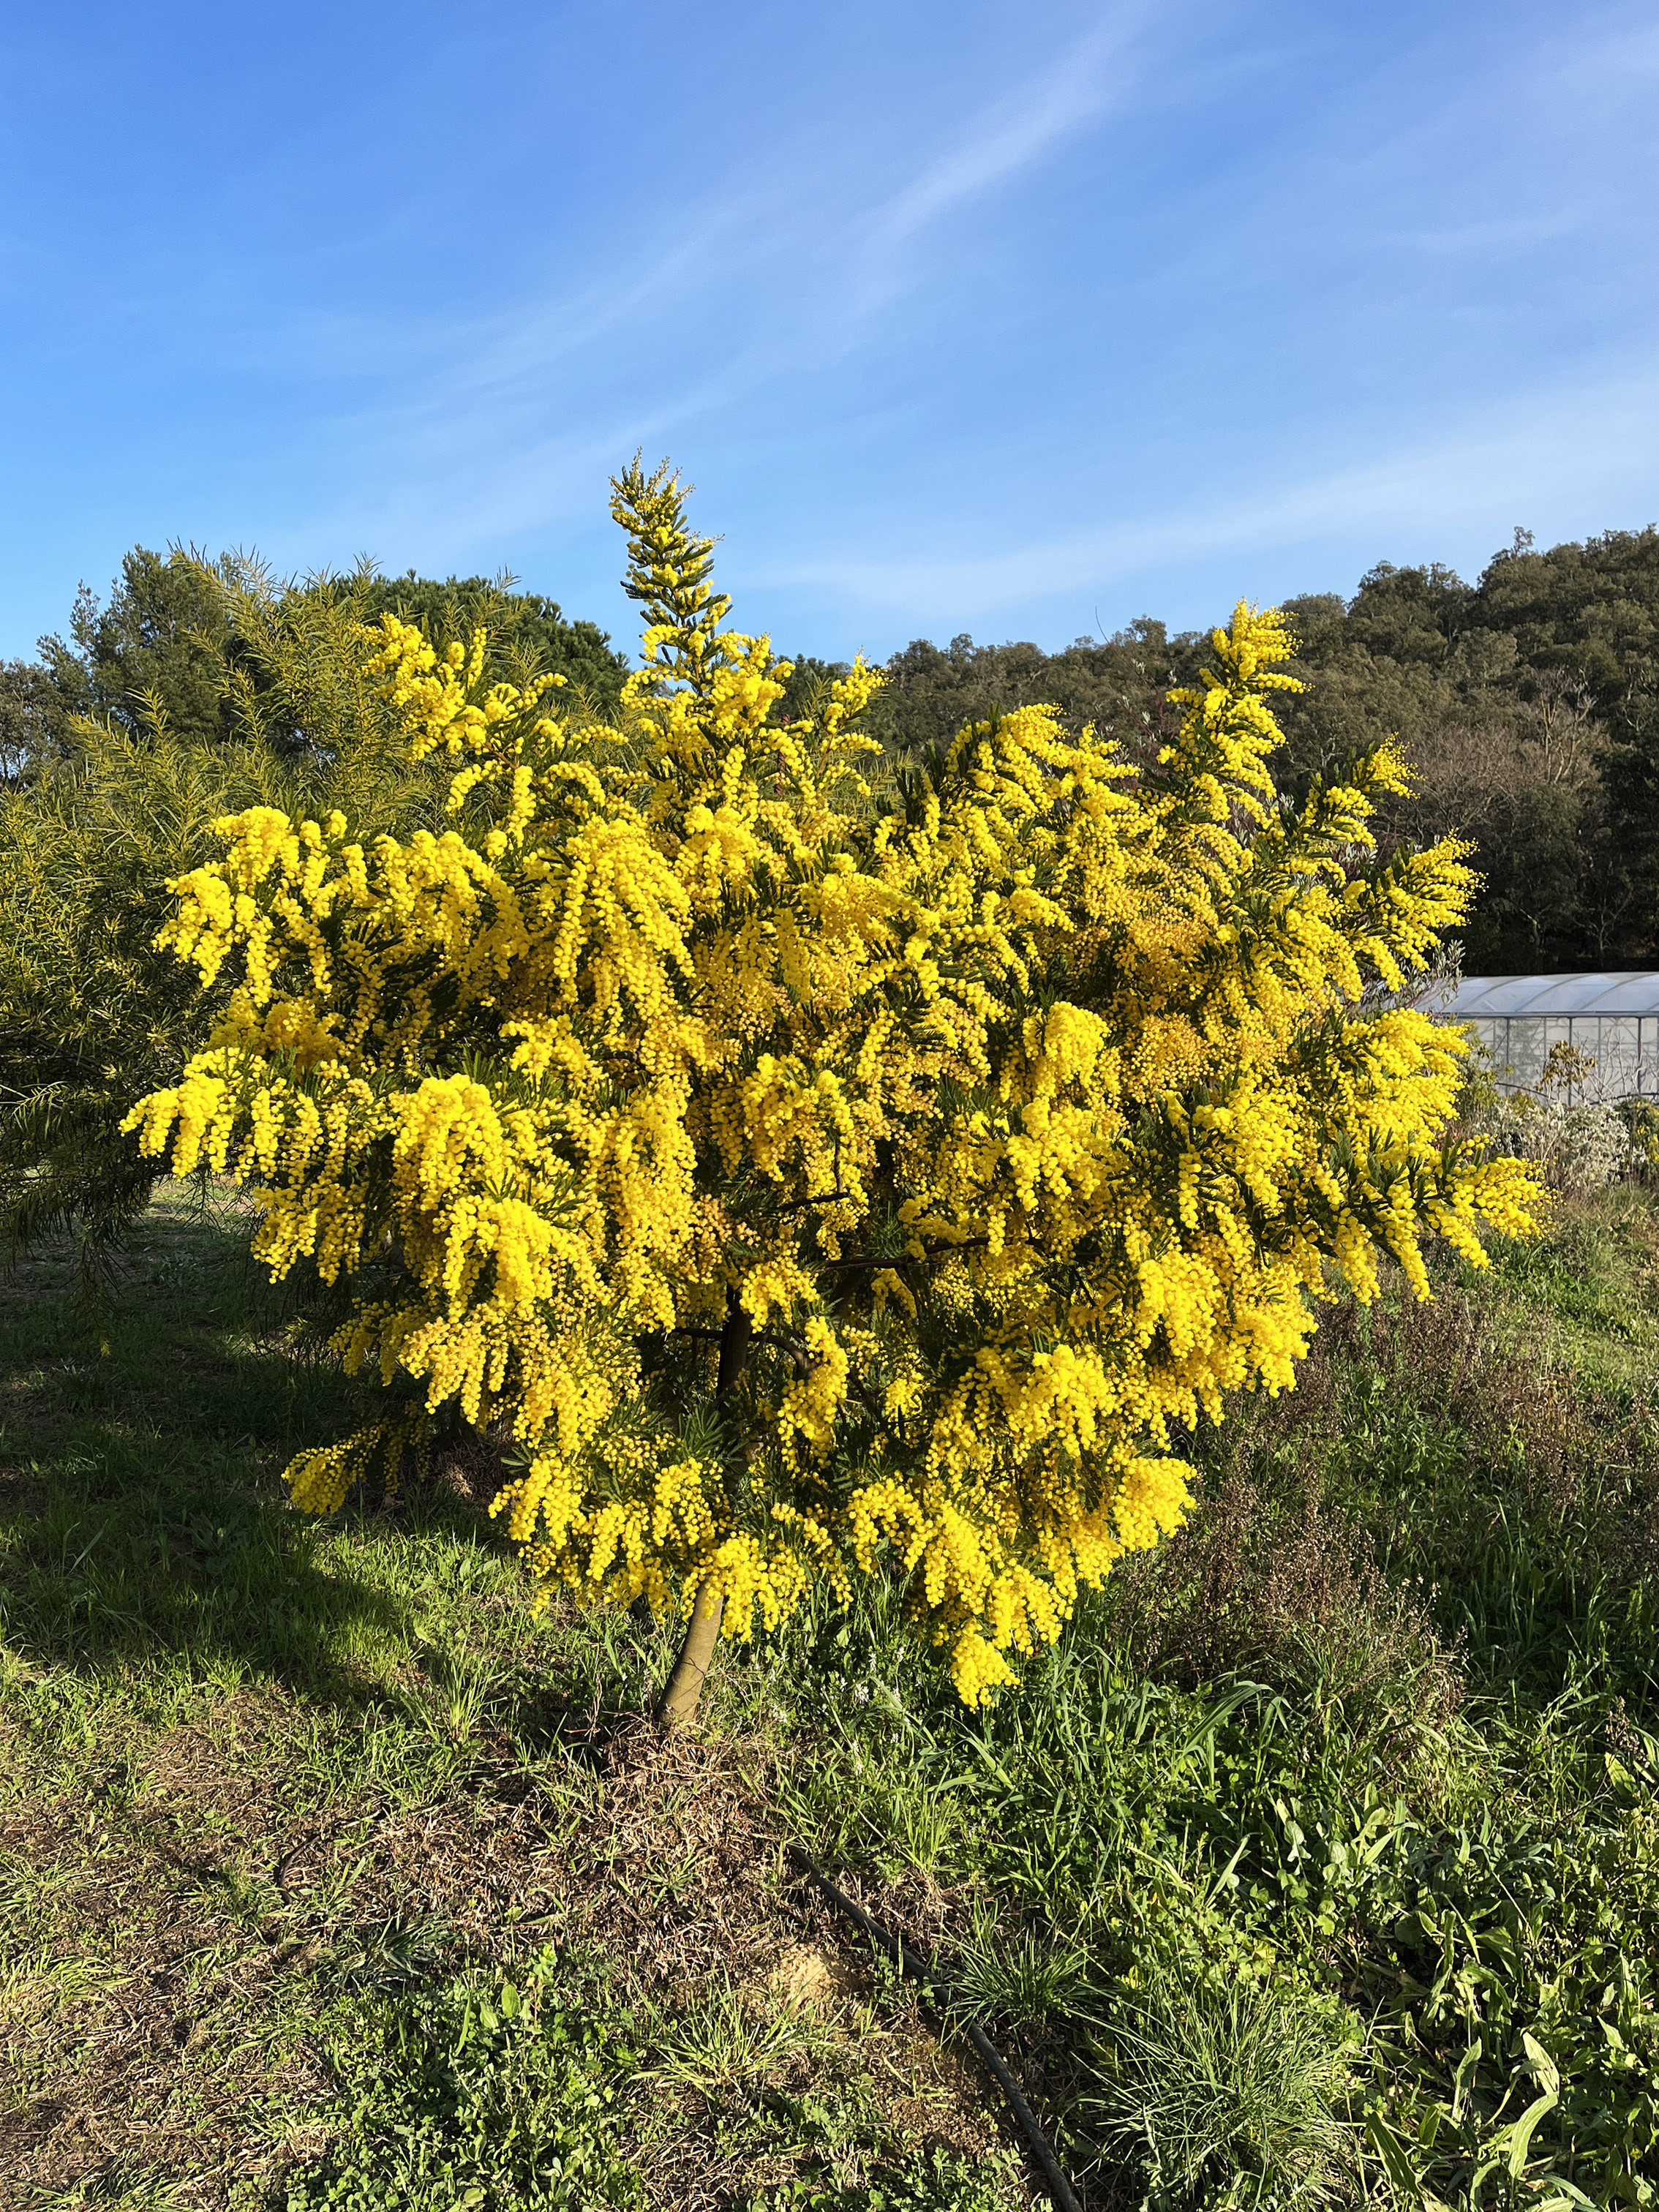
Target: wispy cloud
x: 1615, y: 61
x: 1585, y: 444
x: 506, y: 414
x: 1008, y: 136
x: 1483, y: 240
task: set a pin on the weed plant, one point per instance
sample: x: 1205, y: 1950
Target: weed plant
x: 473, y: 2095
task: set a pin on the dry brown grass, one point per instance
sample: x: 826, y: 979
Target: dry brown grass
x: 170, y: 1946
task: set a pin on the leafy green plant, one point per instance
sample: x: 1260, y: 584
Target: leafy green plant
x: 930, y: 2181
x: 474, y: 2098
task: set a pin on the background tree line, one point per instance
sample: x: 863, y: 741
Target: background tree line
x: 1530, y: 701
x: 167, y: 639
x: 201, y: 687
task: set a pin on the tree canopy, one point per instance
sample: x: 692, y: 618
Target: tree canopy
x: 166, y: 646
x: 108, y: 807
x: 807, y: 1164
x: 526, y: 631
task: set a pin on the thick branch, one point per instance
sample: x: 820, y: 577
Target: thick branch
x: 734, y: 1348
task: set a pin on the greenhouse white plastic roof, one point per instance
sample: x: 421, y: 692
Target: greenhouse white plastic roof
x: 1631, y: 995
x: 1611, y: 1023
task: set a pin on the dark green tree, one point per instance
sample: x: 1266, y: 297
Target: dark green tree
x: 161, y: 642
x: 91, y: 1015
x: 1118, y: 683
x: 33, y: 718
x: 1589, y: 614
x: 528, y: 632
x: 165, y: 647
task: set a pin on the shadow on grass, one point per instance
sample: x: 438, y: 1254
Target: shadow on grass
x: 97, y: 1579
x: 145, y: 1531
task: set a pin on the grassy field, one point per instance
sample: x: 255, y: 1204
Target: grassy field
x: 1319, y: 1863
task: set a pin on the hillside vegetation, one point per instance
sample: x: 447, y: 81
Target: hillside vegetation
x: 1529, y: 702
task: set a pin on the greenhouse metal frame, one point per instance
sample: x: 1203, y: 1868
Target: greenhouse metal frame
x: 1612, y: 1020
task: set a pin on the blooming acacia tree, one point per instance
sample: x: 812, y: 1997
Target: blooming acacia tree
x: 809, y: 1167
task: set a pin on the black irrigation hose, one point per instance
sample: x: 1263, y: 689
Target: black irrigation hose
x: 898, y: 1951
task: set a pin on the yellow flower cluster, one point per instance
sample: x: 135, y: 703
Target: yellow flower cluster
x: 811, y: 1169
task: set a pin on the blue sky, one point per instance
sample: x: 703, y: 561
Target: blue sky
x: 1021, y: 320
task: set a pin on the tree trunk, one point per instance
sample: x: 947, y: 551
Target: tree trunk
x: 680, y: 1692
x: 678, y: 1700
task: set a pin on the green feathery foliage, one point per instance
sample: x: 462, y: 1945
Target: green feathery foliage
x: 91, y: 1017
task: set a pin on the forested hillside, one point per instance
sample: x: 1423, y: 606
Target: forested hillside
x: 1530, y: 701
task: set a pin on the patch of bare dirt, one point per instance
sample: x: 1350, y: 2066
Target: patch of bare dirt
x: 161, y: 1991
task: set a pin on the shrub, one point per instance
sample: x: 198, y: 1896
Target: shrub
x: 810, y: 1168
x: 1581, y: 1141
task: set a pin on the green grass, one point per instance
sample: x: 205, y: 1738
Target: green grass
x: 1359, y: 1778
x: 1320, y: 1859
x: 282, y: 1801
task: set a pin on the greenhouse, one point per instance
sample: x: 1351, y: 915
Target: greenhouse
x: 1612, y: 1020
